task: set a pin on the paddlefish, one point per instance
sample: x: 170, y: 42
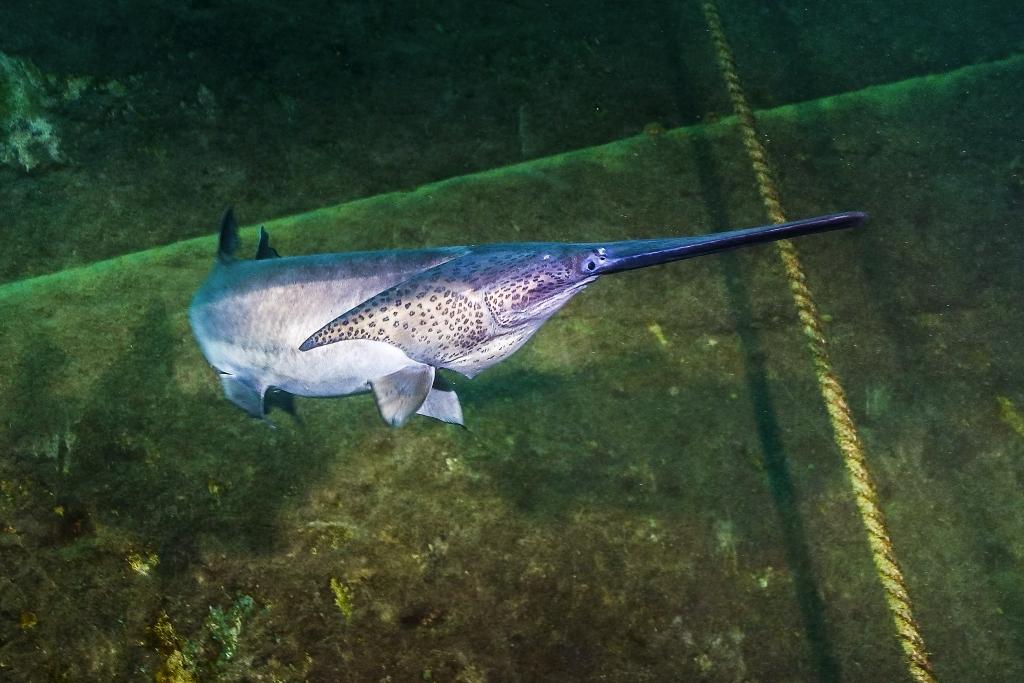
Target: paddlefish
x: 386, y: 322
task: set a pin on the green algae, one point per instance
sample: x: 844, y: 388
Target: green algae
x: 342, y: 598
x: 225, y: 627
x: 27, y: 136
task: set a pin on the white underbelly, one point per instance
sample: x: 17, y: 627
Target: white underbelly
x: 339, y: 369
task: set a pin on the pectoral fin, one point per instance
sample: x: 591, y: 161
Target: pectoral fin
x: 442, y: 403
x: 402, y: 393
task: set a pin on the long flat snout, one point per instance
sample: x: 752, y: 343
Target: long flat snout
x: 619, y: 256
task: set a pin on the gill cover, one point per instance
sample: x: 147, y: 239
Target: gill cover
x: 524, y: 287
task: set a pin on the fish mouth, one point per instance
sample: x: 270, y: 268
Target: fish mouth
x: 543, y: 308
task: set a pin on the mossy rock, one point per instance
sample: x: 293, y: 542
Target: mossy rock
x: 27, y: 138
x: 22, y: 89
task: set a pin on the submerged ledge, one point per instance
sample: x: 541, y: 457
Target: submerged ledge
x: 319, y: 234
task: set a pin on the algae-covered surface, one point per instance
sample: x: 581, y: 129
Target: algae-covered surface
x: 163, y: 111
x: 649, y: 490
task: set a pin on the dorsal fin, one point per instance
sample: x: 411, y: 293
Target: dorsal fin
x: 228, y: 237
x: 264, y: 250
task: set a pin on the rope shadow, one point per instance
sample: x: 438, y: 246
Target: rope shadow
x: 780, y: 479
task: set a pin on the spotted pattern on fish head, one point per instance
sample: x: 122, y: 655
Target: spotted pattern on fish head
x: 476, y: 309
x: 428, y: 317
x: 528, y: 288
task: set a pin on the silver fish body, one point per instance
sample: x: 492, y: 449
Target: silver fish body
x: 341, y: 324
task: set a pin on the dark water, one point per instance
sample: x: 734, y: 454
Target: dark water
x: 649, y: 490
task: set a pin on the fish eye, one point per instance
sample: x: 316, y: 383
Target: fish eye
x: 590, y: 263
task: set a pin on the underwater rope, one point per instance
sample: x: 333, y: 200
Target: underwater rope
x: 843, y: 426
